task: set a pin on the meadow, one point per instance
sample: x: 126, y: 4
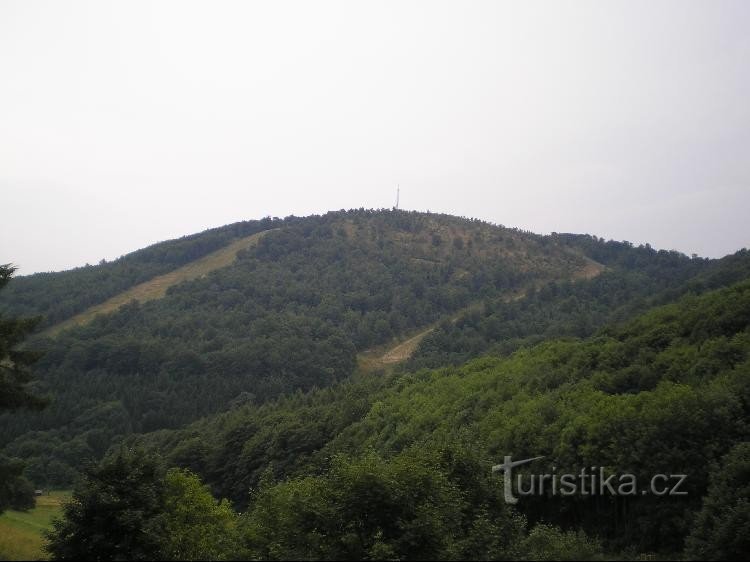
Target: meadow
x: 22, y: 533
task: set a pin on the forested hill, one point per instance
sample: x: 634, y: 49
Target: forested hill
x: 57, y: 296
x: 245, y: 362
x: 287, y: 314
x: 387, y: 457
x: 635, y: 279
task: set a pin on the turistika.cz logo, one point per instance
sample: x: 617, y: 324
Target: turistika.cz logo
x: 589, y: 481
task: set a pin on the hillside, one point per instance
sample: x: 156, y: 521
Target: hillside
x: 319, y: 370
x: 635, y: 279
x: 57, y: 296
x: 156, y: 287
x: 290, y: 311
x: 666, y: 392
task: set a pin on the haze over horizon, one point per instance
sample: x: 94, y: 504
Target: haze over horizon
x: 124, y: 124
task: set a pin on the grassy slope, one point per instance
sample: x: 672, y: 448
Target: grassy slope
x: 21, y: 533
x: 156, y: 288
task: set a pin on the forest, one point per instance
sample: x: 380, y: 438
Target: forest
x: 668, y: 390
x: 233, y: 418
x: 290, y: 314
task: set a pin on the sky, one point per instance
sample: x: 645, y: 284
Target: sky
x: 127, y: 123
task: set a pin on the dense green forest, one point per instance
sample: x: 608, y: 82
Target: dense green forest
x: 635, y: 280
x: 349, y: 471
x: 235, y: 418
x: 289, y: 314
x: 56, y: 296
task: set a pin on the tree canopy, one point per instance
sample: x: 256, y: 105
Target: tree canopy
x: 15, y: 393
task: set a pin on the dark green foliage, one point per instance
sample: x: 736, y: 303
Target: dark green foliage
x: 16, y: 492
x: 663, y: 394
x: 281, y: 437
x: 581, y: 308
x: 721, y: 530
x: 193, y: 525
x: 327, y: 463
x: 290, y: 314
x: 15, y: 374
x: 668, y: 392
x: 414, y: 507
x: 278, y: 438
x: 129, y: 508
x: 112, y: 512
x: 60, y: 295
x: 15, y: 392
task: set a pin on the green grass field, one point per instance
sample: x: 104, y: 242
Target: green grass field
x: 21, y: 533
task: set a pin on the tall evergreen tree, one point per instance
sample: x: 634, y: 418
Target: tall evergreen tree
x: 15, y: 376
x: 112, y: 511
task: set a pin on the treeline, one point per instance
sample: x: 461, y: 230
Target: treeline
x: 290, y: 314
x: 424, y: 506
x: 359, y: 469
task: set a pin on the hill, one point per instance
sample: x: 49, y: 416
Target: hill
x: 348, y: 379
x: 57, y: 296
x: 156, y: 287
x: 665, y: 393
x: 288, y: 312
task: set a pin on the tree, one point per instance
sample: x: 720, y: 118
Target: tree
x: 130, y: 508
x: 194, y: 525
x: 112, y: 512
x: 15, y: 375
x: 412, y: 507
x: 15, y: 491
x: 721, y: 530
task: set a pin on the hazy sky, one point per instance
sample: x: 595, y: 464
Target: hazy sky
x: 126, y: 123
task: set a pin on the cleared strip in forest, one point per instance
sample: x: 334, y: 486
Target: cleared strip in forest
x: 157, y: 287
x: 381, y: 358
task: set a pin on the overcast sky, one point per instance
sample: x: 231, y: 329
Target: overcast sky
x: 127, y: 123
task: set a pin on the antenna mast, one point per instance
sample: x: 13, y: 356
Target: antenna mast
x: 398, y: 192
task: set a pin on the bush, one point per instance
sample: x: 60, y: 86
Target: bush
x: 546, y: 542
